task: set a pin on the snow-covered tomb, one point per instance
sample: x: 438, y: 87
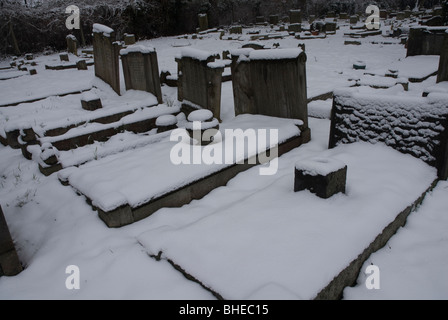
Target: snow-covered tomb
x: 199, y: 80
x: 411, y: 125
x: 141, y: 70
x: 271, y: 83
x: 106, y: 51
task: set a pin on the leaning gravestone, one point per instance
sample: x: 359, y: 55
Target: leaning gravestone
x: 271, y: 82
x: 199, y: 80
x: 442, y: 74
x: 141, y: 70
x: 295, y: 16
x: 106, y: 51
x: 72, y: 46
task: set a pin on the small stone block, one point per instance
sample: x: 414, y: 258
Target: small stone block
x: 90, y: 101
x: 323, y: 176
x: 81, y: 65
x: 29, y: 56
x: 33, y: 71
x: 63, y: 57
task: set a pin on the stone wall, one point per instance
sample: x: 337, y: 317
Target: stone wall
x: 415, y: 126
x: 271, y: 83
x: 425, y: 41
x: 106, y: 51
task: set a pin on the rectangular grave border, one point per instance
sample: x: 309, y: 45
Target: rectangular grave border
x: 126, y: 215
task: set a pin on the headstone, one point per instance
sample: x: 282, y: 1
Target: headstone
x: 72, y: 44
x: 199, y: 80
x: 425, y: 41
x: 203, y: 21
x: 295, y: 16
x: 90, y: 101
x: 81, y: 65
x: 260, y: 20
x: 129, y: 39
x: 442, y: 74
x: 236, y: 30
x: 9, y: 260
x: 311, y: 18
x: 271, y: 82
x: 141, y: 70
x: 273, y: 19
x: 354, y: 19
x: 384, y: 14
x: 400, y: 16
x: 29, y: 56
x: 63, y: 57
x: 330, y: 27
x: 295, y: 27
x: 33, y: 71
x: 407, y: 13
x: 331, y: 14
x: 106, y: 52
x: 323, y: 176
x: 433, y: 22
x: 343, y: 16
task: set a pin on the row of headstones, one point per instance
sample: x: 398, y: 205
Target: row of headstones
x: 140, y: 65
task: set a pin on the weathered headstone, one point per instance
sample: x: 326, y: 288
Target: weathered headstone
x: 72, y: 44
x: 106, y: 51
x: 384, y: 14
x: 331, y: 14
x: 81, y: 65
x: 203, y: 21
x: 141, y: 70
x: 442, y: 74
x: 273, y: 19
x: 260, y: 20
x: 63, y: 57
x: 129, y: 39
x: 271, y: 82
x: 236, y: 30
x: 323, y: 176
x: 343, y: 16
x: 9, y: 261
x: 199, y: 80
x: 330, y: 27
x: 295, y: 27
x: 400, y: 16
x: 295, y: 16
x: 425, y: 41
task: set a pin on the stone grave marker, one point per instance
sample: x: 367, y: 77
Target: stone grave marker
x: 260, y: 20
x: 199, y: 80
x: 141, y: 70
x: 236, y: 30
x: 81, y: 65
x: 63, y: 57
x: 384, y: 14
x: 425, y: 41
x: 129, y: 39
x: 295, y: 16
x: 90, y: 101
x: 442, y: 74
x: 9, y: 260
x: 203, y: 21
x: 295, y: 27
x: 273, y: 19
x: 106, y: 51
x: 271, y: 82
x: 72, y: 44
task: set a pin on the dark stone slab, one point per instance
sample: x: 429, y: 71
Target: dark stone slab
x: 425, y: 41
x: 9, y: 260
x: 442, y: 74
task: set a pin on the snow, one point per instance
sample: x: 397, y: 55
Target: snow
x: 137, y: 48
x: 200, y: 115
x: 166, y: 120
x: 53, y: 227
x: 319, y: 166
x: 275, y: 54
x: 105, y: 30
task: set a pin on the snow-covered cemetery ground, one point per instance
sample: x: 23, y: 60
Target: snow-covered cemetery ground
x: 252, y: 238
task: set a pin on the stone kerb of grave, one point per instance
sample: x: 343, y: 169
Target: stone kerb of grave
x: 141, y: 70
x: 106, y: 53
x: 199, y: 80
x: 270, y: 82
x: 323, y: 176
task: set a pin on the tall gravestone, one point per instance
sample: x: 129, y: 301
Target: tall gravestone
x: 106, y: 56
x: 72, y: 44
x: 141, y: 70
x: 295, y: 16
x: 271, y: 83
x: 443, y: 63
x: 203, y: 21
x: 199, y: 80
